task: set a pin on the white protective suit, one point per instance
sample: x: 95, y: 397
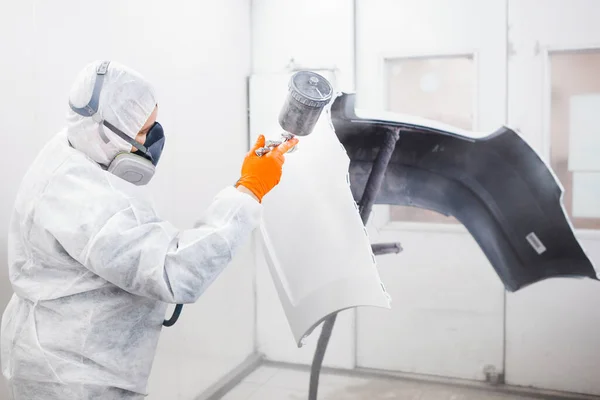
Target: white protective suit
x: 93, y: 268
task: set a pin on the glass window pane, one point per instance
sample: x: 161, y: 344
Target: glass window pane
x: 438, y: 88
x: 575, y: 132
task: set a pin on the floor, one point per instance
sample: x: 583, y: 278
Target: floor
x: 271, y: 383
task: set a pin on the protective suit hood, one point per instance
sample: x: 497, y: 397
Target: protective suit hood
x: 127, y: 100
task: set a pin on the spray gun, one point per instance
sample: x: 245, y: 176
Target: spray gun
x: 308, y: 94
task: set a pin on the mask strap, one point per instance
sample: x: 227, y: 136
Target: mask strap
x: 91, y: 108
x: 124, y: 136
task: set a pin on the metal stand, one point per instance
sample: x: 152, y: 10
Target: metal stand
x: 366, y: 205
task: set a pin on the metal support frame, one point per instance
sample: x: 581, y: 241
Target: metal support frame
x: 380, y: 249
x: 365, y: 206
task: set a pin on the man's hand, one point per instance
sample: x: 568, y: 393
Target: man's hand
x: 261, y: 174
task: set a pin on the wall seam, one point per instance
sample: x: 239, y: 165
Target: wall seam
x: 506, y: 122
x: 354, y: 86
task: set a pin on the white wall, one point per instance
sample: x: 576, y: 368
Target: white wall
x: 197, y: 53
x: 552, y: 338
x: 318, y: 36
x: 17, y: 110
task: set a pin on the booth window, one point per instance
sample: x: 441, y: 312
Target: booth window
x: 437, y: 88
x: 575, y: 132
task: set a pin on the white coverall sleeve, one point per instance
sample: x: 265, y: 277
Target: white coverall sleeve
x: 126, y: 244
x: 175, y: 266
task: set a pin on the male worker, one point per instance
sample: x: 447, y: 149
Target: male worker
x: 92, y: 267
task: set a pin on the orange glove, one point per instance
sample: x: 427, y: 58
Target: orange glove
x: 261, y: 174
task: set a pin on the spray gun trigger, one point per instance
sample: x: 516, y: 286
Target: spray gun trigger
x: 262, y: 151
x: 271, y: 144
x: 287, y: 136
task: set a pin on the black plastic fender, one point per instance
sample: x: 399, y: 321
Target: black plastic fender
x: 497, y: 186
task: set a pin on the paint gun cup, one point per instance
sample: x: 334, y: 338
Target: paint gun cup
x: 308, y: 94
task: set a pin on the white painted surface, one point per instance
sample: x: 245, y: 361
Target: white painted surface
x: 447, y: 314
x: 552, y: 327
x: 276, y: 338
x: 197, y: 53
x: 316, y: 35
x: 315, y: 244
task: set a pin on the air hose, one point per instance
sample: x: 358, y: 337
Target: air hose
x: 176, y: 313
x: 366, y: 205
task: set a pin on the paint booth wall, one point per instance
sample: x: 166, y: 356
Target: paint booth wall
x: 197, y: 54
x: 459, y: 63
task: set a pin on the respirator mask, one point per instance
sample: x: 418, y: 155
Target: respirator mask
x: 137, y: 167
